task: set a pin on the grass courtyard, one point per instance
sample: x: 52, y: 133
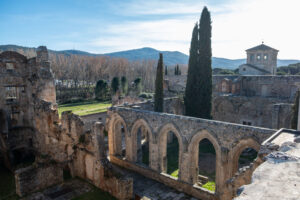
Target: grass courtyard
x: 84, y: 107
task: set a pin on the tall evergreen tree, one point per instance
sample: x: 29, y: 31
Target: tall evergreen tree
x: 198, y: 93
x: 124, y: 85
x: 159, y: 93
x: 101, y: 90
x: 295, y: 110
x: 138, y: 85
x: 115, y: 83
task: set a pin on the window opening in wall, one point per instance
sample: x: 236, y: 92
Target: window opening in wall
x: 10, y: 66
x: 206, y: 165
x: 10, y: 93
x: 247, y: 123
x: 244, y: 69
x: 258, y: 56
x: 251, y: 57
x: 247, y: 156
x: 172, y: 154
x: 265, y: 56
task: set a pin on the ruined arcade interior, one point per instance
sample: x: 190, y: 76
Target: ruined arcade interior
x: 248, y: 149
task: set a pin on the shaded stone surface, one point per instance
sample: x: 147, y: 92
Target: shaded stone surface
x: 148, y: 189
x: 65, y: 191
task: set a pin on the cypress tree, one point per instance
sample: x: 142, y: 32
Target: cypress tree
x: 115, y: 83
x: 159, y: 95
x: 138, y: 85
x: 101, y: 90
x: 198, y: 93
x: 295, y: 109
x: 124, y: 85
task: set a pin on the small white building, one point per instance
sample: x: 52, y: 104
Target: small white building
x: 261, y: 60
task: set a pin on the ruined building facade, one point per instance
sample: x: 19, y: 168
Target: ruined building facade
x: 22, y: 81
x: 33, y: 135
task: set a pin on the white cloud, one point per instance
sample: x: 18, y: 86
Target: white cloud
x: 273, y: 21
x: 237, y: 25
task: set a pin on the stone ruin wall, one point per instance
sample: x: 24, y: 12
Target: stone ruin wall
x: 254, y: 111
x: 73, y: 146
x: 264, y: 101
x: 229, y: 140
x: 30, y: 122
x: 22, y: 81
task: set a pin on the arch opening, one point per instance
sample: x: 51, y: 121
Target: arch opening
x: 172, y: 155
x: 120, y: 139
x: 247, y: 156
x: 142, y: 146
x: 206, y: 173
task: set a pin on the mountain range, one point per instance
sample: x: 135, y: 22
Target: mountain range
x: 147, y: 53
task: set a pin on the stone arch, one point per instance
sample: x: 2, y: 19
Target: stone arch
x: 238, y: 149
x: 138, y: 124
x: 162, y: 147
x: 194, y: 153
x: 115, y: 137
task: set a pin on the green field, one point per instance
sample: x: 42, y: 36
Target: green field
x: 85, y: 107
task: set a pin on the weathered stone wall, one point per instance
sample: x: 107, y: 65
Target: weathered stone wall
x: 257, y: 100
x: 280, y: 87
x: 255, y: 111
x: 228, y: 140
x: 30, y: 122
x: 22, y: 82
x: 79, y: 147
x: 35, y: 178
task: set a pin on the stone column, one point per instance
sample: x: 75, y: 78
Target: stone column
x: 275, y: 116
x: 98, y: 138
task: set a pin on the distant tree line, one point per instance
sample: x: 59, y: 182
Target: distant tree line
x: 104, y: 91
x: 292, y: 69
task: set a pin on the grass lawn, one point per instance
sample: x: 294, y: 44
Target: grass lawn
x: 210, y: 185
x: 85, y: 107
x: 7, y: 185
x: 95, y: 194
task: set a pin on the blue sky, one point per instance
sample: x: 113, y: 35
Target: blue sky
x: 101, y: 26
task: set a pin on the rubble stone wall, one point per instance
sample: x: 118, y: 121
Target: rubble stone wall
x: 35, y: 178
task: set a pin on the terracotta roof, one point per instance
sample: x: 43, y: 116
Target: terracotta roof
x: 262, y: 47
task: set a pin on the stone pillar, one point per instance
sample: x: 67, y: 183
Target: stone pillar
x: 99, y: 140
x: 275, y: 116
x: 184, y: 171
x: 153, y: 156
